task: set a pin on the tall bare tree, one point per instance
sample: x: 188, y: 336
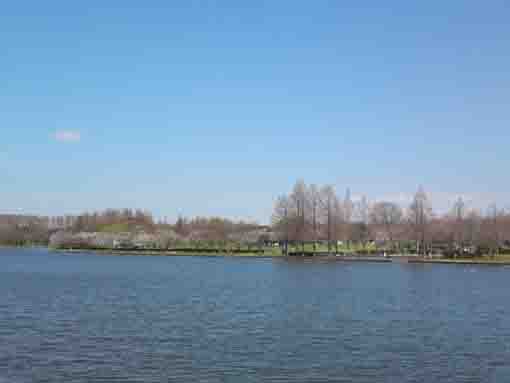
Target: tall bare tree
x: 281, y: 221
x: 338, y: 221
x: 299, y: 199
x: 389, y: 216
x: 459, y: 210
x: 420, y: 214
x: 473, y: 226
x: 362, y: 210
x: 314, y: 200
x: 328, y: 201
x: 493, y: 228
x: 348, y: 208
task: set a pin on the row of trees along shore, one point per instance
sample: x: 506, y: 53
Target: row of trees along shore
x: 129, y: 225
x: 309, y: 218
x: 314, y: 214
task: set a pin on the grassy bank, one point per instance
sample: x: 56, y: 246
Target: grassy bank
x: 276, y: 252
x: 466, y: 261
x: 484, y: 260
x: 24, y: 246
x: 265, y: 254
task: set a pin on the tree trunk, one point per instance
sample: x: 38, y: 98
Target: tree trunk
x: 329, y: 225
x: 314, y: 227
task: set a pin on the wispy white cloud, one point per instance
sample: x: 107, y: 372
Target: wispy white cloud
x: 67, y: 136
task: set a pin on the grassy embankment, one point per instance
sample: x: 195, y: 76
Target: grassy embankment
x: 482, y: 260
x: 229, y: 249
x: 25, y: 245
x: 267, y: 252
x: 276, y: 252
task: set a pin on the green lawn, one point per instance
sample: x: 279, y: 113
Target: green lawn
x: 114, y: 228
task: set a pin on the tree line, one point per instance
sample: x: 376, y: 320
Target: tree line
x: 19, y: 230
x: 308, y: 217
x: 317, y: 214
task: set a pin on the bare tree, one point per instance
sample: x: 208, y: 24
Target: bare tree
x: 473, y: 225
x: 298, y: 198
x: 388, y: 215
x: 328, y: 201
x: 459, y: 210
x: 314, y: 198
x: 420, y: 214
x: 338, y: 221
x: 454, y: 225
x: 281, y: 221
x: 348, y: 208
x: 492, y: 228
x: 362, y: 210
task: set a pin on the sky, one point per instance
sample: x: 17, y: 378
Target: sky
x: 217, y: 107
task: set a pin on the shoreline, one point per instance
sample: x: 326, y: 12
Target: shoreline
x: 163, y: 253
x: 464, y: 261
x: 401, y: 259
x: 343, y: 258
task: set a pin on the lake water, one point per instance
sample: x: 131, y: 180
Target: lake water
x: 89, y: 318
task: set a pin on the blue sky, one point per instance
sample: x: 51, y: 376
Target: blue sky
x: 215, y: 108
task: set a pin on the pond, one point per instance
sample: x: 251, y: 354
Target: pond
x: 86, y: 318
